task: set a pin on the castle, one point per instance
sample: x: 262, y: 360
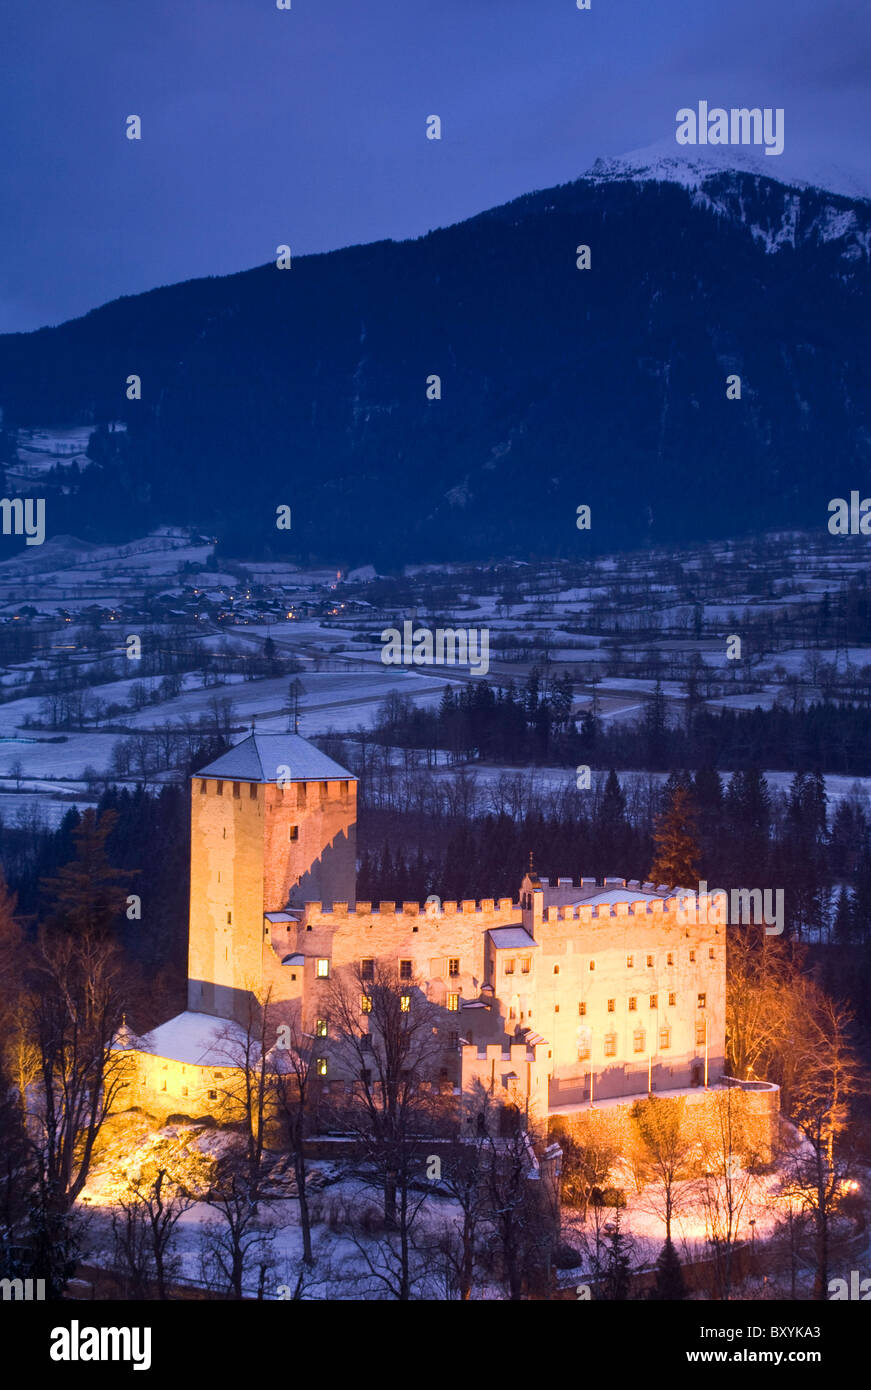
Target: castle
x: 575, y: 993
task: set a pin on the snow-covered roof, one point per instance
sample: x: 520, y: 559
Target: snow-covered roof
x: 199, y: 1040
x: 512, y: 938
x: 296, y: 959
x: 259, y: 757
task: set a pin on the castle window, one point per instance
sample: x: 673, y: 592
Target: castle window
x: 453, y: 1039
x: 453, y: 965
x: 367, y: 969
x: 252, y: 790
x: 300, y: 794
x: 525, y: 964
x: 204, y: 787
x: 629, y: 960
x: 556, y: 1008
x: 610, y: 1044
x: 213, y: 1095
x: 669, y: 960
x: 654, y: 1001
x: 638, y: 1040
x: 365, y: 1075
x: 612, y: 1004
x: 692, y: 956
x: 219, y: 788
x: 323, y: 968
x: 650, y: 962
x: 582, y: 1009
x: 321, y: 1028
x: 583, y: 1051
x: 229, y: 919
x: 237, y: 790
x: 701, y: 1033
x: 633, y: 1003
x: 365, y: 1004
x: 365, y: 1043
x: 556, y: 970
x: 512, y: 1013
x: 703, y: 999
x: 184, y: 1090
x: 343, y: 788
x: 592, y: 965
x: 405, y: 970
x: 453, y: 1002
x: 293, y: 832
x: 664, y: 1038
x: 711, y: 953
x: 225, y: 832
x: 672, y: 999
x: 509, y: 966
x: 322, y: 1066
x: 404, y: 1003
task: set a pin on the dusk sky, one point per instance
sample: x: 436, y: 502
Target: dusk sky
x: 262, y: 126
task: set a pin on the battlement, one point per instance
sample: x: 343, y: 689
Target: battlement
x: 316, y: 912
x: 694, y: 909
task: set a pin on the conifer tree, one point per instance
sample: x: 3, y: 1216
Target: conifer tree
x: 669, y: 1275
x: 676, y: 838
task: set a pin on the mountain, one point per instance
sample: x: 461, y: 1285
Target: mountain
x: 560, y: 386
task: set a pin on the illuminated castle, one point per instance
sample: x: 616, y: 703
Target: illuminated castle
x: 574, y: 988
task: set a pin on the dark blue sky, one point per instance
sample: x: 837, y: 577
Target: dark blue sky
x: 262, y: 126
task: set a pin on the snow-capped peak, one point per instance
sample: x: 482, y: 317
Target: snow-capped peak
x: 667, y: 162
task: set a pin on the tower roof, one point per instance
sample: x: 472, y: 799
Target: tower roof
x: 268, y: 757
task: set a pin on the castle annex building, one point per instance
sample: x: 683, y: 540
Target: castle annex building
x: 576, y: 991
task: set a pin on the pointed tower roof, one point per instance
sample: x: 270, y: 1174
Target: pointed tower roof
x: 258, y: 758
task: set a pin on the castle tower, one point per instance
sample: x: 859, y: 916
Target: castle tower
x: 273, y: 824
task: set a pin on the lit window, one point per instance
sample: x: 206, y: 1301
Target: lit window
x: 610, y: 1044
x: 293, y: 832
x: 404, y: 1003
x: 405, y: 970
x: 509, y: 966
x: 650, y: 962
x: 592, y: 965
x: 322, y: 1066
x: 323, y: 968
x: 453, y: 1002
x: 703, y: 999
x: 365, y: 1004
x: 633, y: 1003
x: 454, y: 965
x: 556, y: 970
x: 582, y: 1009
x: 638, y: 1040
x: 525, y: 965
x: 669, y: 960
x: 664, y: 1038
x: 367, y: 969
x: 556, y: 1008
x: 629, y: 960
x: 321, y: 1028
x: 654, y: 1001
x: 700, y: 1032
x: 672, y: 999
x: 612, y: 1004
